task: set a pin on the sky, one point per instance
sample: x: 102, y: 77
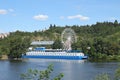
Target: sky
x: 35, y: 15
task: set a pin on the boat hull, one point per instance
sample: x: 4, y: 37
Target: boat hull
x: 55, y: 57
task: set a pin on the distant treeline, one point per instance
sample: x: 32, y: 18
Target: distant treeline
x: 99, y: 41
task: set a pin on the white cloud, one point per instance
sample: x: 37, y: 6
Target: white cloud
x: 83, y: 18
x: 40, y: 17
x: 3, y: 11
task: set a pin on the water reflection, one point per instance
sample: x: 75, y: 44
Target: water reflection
x: 55, y: 60
x: 72, y: 69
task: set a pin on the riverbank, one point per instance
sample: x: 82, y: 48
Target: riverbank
x: 110, y: 58
x: 4, y: 57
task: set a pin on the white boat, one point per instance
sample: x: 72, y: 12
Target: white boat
x: 41, y: 52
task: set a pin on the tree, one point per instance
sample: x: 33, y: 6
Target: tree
x: 74, y: 46
x: 41, y: 75
x: 18, y: 45
x: 115, y: 23
x: 57, y: 44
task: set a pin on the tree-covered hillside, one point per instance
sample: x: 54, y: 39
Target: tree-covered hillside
x: 101, y: 38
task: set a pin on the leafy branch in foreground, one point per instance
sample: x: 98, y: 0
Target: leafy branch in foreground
x: 117, y: 74
x: 105, y: 76
x: 41, y: 75
x: 102, y: 76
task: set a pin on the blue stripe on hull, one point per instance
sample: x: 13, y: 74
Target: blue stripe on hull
x: 57, y: 57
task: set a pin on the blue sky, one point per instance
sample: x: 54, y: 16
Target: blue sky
x: 31, y: 15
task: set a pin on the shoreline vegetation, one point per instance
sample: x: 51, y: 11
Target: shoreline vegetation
x: 107, y: 59
x: 100, y: 41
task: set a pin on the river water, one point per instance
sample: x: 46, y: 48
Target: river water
x: 72, y: 69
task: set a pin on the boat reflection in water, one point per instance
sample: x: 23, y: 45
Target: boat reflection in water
x: 53, y: 60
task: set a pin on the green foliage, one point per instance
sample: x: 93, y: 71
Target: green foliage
x: 117, y: 74
x: 41, y: 75
x: 103, y: 76
x: 74, y: 46
x: 57, y: 44
x: 18, y: 46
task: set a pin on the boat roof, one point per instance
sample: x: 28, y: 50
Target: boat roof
x: 42, y: 42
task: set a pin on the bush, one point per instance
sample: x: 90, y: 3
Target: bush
x: 40, y: 75
x: 103, y: 76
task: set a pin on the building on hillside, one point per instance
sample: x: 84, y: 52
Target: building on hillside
x: 42, y: 42
x: 47, y: 44
x: 3, y: 35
